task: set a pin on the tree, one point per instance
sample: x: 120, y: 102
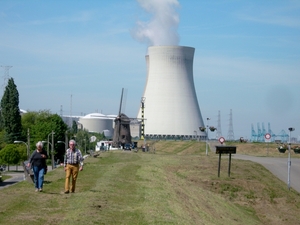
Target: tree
x: 83, y: 140
x: 10, y: 113
x: 10, y: 155
x: 99, y: 137
x: 22, y: 149
x: 1, y: 122
x: 2, y: 139
x: 41, y: 124
x: 74, y: 127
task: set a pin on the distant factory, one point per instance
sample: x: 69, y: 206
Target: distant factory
x: 100, y: 123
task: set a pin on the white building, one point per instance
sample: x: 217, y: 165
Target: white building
x: 99, y: 123
x: 171, y: 105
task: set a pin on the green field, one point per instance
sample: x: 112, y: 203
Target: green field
x: 176, y: 184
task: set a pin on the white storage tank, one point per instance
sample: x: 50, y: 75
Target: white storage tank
x: 97, y: 122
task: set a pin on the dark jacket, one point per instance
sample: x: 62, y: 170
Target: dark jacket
x: 37, y: 160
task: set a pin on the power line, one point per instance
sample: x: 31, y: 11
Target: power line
x: 230, y: 135
x: 5, y: 76
x: 219, y: 130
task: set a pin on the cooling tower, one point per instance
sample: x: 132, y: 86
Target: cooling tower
x: 171, y: 105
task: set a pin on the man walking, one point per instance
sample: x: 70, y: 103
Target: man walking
x: 73, y: 163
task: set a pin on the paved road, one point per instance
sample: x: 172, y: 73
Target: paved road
x: 17, y: 174
x: 279, y: 167
x: 15, y: 178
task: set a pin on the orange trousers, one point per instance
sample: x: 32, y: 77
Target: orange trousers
x: 71, y: 171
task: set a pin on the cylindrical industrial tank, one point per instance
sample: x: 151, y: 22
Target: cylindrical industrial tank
x: 171, y: 105
x: 96, y: 122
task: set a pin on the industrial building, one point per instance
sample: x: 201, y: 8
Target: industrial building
x: 170, y: 100
x: 171, y: 108
x: 98, y: 123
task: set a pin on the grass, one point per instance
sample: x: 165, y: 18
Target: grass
x: 178, y: 184
x: 4, y: 177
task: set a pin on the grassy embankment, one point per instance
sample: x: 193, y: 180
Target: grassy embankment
x: 176, y: 185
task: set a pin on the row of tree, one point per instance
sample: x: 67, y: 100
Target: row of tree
x: 32, y: 127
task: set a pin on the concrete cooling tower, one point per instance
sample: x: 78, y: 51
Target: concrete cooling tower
x: 171, y: 107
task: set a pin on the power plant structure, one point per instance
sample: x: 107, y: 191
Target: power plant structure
x: 170, y: 105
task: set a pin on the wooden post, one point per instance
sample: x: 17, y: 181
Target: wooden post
x: 219, y: 165
x: 225, y: 150
x: 229, y: 164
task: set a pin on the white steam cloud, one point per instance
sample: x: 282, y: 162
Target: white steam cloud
x: 162, y: 28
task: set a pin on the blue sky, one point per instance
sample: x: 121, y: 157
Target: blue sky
x: 247, y: 57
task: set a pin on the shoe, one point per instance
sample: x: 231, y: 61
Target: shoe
x: 36, y: 190
x: 66, y: 192
x: 40, y: 190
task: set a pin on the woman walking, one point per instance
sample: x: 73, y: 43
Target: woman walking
x: 38, y: 163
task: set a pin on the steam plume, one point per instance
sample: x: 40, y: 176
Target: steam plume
x: 162, y: 28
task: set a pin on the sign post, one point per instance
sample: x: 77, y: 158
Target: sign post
x: 267, y: 139
x: 221, y: 140
x: 225, y: 150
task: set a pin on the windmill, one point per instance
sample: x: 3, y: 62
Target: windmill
x: 122, y: 134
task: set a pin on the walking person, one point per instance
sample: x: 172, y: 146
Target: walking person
x: 38, y: 163
x: 73, y: 163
